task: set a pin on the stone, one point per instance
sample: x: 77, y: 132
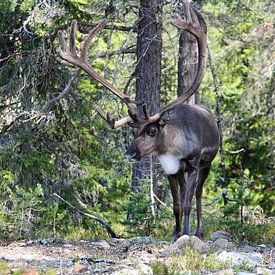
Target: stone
x: 137, y: 270
x: 120, y: 242
x: 236, y: 258
x: 101, y: 244
x: 30, y: 271
x: 142, y: 240
x: 220, y: 235
x: 80, y: 268
x: 224, y: 272
x: 166, y: 253
x: 188, y: 241
x: 262, y: 245
x: 263, y: 271
x: 221, y: 244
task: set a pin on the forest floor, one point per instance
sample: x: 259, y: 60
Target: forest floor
x: 122, y: 256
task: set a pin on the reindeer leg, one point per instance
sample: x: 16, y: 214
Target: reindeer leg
x: 182, y: 183
x: 174, y: 185
x: 203, y: 173
x: 187, y: 202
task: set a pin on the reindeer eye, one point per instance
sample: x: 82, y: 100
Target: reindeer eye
x: 152, y: 132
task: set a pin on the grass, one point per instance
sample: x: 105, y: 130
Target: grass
x: 3, y: 268
x: 191, y: 261
x: 6, y: 269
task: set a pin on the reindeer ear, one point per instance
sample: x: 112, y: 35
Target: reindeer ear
x: 165, y: 117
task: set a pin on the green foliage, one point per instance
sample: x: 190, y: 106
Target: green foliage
x: 19, y: 211
x: 248, y: 232
x: 27, y: 5
x: 63, y: 148
x: 241, y: 50
x: 191, y: 261
x: 3, y: 268
x: 144, y: 222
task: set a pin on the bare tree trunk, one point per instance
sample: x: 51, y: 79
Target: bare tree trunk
x: 148, y: 73
x: 188, y: 60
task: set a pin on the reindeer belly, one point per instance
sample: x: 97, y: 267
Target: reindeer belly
x: 169, y: 163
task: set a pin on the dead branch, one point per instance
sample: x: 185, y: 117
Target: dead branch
x: 102, y: 222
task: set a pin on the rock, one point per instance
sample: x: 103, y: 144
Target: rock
x: 186, y: 241
x: 30, y: 271
x: 237, y: 258
x: 224, y: 272
x: 101, y: 244
x: 166, y: 253
x: 80, y: 268
x: 144, y: 269
x: 120, y: 242
x: 220, y: 235
x: 142, y: 240
x: 263, y: 271
x: 192, y: 242
x: 262, y: 245
x: 69, y: 263
x: 139, y: 269
x: 221, y: 244
x: 246, y: 273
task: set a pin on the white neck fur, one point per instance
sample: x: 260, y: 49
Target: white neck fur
x: 169, y: 163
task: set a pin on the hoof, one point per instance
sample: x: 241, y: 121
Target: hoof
x: 176, y: 234
x: 199, y: 234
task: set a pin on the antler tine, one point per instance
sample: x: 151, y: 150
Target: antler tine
x: 64, y: 46
x: 92, y: 34
x: 111, y: 121
x: 133, y: 114
x: 183, y: 25
x: 106, y: 117
x: 145, y: 111
x: 201, y: 20
x: 73, y: 37
x: 187, y: 11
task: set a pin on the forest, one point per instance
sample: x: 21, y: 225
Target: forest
x: 55, y: 148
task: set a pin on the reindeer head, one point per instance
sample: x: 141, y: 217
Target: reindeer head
x: 148, y: 138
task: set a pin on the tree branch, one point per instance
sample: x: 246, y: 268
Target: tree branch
x: 102, y: 222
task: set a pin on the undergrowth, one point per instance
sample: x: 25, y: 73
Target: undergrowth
x: 190, y: 261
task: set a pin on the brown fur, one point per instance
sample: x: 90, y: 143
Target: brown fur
x: 187, y: 138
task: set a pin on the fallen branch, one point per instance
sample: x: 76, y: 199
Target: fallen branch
x: 105, y: 225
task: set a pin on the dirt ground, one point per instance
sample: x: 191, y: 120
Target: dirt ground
x: 115, y: 256
x: 68, y: 257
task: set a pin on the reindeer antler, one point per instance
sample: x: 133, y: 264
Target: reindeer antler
x: 70, y: 55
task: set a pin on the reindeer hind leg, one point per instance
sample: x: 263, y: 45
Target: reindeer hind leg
x: 187, y: 198
x: 203, y: 173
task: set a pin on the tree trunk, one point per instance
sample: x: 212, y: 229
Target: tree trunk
x: 148, y: 72
x: 188, y: 61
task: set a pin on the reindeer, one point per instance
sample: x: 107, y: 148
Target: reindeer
x: 183, y: 137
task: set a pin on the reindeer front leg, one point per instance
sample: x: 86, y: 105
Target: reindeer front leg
x: 187, y: 200
x: 177, y: 209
